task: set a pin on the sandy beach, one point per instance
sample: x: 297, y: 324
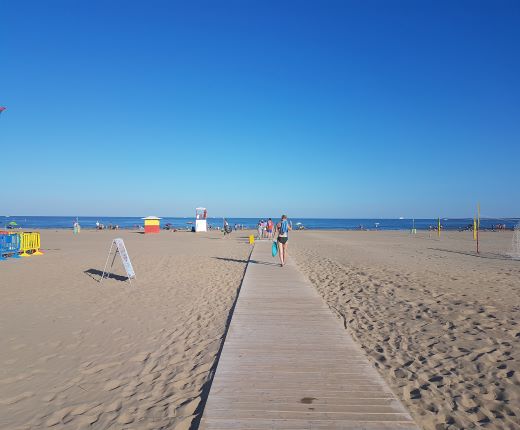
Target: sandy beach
x: 77, y: 354
x: 359, y: 127
x: 440, y: 323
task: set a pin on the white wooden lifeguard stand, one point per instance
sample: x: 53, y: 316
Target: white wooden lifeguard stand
x: 200, y: 219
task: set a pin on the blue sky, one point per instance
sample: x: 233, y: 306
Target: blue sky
x: 317, y: 109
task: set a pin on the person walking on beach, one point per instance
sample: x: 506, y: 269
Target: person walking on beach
x: 283, y: 228
x: 270, y: 229
x: 259, y: 228
x: 225, y: 227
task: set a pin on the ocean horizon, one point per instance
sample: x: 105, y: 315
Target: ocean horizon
x: 89, y: 222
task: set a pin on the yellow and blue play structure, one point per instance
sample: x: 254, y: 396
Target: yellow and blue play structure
x: 19, y: 244
x: 30, y: 244
x: 9, y: 245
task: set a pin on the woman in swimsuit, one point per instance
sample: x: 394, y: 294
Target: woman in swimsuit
x: 283, y: 228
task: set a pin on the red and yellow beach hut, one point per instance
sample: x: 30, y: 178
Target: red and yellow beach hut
x: 152, y: 224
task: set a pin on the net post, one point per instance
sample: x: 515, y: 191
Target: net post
x: 478, y: 227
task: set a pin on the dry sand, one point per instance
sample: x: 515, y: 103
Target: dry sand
x: 77, y: 354
x: 441, y: 323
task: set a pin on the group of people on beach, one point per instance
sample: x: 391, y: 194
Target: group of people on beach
x: 100, y: 226
x: 265, y: 229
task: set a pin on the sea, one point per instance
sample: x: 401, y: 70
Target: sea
x: 89, y: 222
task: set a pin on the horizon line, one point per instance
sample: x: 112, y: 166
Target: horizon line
x: 261, y: 217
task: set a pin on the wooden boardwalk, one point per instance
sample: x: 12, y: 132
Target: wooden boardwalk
x: 288, y: 363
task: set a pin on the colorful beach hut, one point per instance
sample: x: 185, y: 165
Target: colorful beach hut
x: 152, y: 224
x: 201, y: 223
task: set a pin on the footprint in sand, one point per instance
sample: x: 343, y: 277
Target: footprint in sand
x: 86, y: 421
x: 125, y: 418
x: 189, y: 408
x: 49, y: 397
x: 16, y: 399
x: 46, y: 358
x: 99, y: 368
x: 19, y: 346
x: 150, y: 377
x: 112, y: 385
x: 114, y: 406
x: 183, y: 424
x: 140, y: 358
x: 17, y: 378
x: 82, y: 409
x: 130, y: 390
x: 58, y: 417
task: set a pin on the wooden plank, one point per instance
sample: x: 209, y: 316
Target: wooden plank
x: 287, y: 362
x: 308, y: 393
x: 290, y: 400
x: 300, y: 408
x: 361, y: 416
x: 256, y: 424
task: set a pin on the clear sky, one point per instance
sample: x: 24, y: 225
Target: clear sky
x: 314, y: 108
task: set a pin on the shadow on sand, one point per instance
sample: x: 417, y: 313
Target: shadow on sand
x: 96, y: 275
x: 235, y: 238
x: 234, y: 260
x: 486, y: 255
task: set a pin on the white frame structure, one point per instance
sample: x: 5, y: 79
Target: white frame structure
x: 201, y: 224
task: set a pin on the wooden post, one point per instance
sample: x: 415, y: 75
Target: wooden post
x: 478, y: 226
x: 439, y: 228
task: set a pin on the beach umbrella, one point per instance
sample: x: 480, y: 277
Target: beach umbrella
x: 12, y: 223
x: 298, y: 223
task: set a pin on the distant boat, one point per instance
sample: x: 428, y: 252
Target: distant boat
x: 401, y: 217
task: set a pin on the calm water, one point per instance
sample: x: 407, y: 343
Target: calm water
x: 28, y: 222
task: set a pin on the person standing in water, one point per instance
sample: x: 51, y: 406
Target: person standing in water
x: 283, y: 228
